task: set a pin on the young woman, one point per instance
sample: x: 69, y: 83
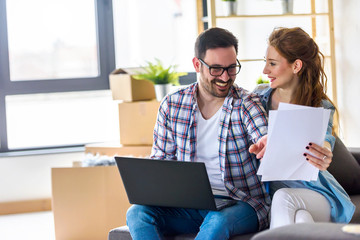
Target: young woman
x: 294, y: 66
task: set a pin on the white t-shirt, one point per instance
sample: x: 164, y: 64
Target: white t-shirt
x: 207, y: 150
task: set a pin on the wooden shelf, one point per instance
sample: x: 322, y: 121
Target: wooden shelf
x: 273, y: 15
x: 211, y: 19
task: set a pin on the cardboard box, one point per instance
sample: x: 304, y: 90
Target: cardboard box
x: 137, y: 121
x: 115, y: 148
x: 124, y: 87
x: 87, y: 202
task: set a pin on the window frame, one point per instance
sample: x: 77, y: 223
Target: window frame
x: 106, y: 55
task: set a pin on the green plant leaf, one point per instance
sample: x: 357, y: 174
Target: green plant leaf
x: 261, y: 80
x: 157, y: 74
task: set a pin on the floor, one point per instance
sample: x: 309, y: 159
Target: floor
x: 29, y: 226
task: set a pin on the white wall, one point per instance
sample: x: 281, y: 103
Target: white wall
x: 347, y: 38
x: 27, y: 178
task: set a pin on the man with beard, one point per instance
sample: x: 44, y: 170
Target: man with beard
x: 211, y: 121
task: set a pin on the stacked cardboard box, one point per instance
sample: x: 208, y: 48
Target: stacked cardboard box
x: 116, y: 149
x: 137, y: 121
x: 138, y: 109
x: 89, y: 201
x: 124, y: 87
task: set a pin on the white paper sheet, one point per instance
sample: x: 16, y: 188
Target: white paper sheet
x: 291, y: 129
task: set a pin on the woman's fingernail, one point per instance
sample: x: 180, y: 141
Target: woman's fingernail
x: 310, y: 144
x: 304, y: 154
x: 307, y: 147
x: 307, y: 159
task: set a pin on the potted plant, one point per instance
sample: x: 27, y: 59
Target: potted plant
x: 262, y: 80
x: 288, y: 6
x: 162, y: 78
x: 229, y: 7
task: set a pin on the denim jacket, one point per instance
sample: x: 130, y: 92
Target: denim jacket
x: 342, y: 209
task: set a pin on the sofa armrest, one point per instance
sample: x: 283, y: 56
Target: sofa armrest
x: 306, y: 231
x: 356, y: 153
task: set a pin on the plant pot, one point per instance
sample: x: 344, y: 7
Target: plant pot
x: 229, y: 7
x: 161, y: 90
x: 288, y: 6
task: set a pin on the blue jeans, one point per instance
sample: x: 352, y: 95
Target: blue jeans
x: 147, y: 222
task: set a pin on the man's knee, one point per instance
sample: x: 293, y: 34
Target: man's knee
x: 133, y: 211
x: 218, y: 218
x: 225, y: 223
x: 215, y: 225
x: 137, y: 213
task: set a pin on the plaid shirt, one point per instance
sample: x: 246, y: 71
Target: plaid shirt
x: 242, y: 122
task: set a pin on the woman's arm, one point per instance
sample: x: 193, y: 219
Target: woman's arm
x: 322, y: 156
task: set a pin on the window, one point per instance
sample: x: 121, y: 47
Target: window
x: 59, y: 119
x: 56, y: 56
x: 44, y: 44
x: 163, y: 29
x: 55, y: 59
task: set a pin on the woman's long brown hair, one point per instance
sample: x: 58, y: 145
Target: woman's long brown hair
x: 293, y: 44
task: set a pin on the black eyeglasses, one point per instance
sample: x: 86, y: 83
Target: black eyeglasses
x: 218, y: 71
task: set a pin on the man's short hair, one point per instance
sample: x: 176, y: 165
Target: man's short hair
x: 214, y: 38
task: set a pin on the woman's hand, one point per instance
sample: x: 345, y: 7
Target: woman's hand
x: 320, y: 157
x: 259, y: 147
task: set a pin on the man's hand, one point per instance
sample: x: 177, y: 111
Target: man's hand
x: 259, y: 147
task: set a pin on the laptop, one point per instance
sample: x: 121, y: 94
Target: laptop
x: 169, y: 183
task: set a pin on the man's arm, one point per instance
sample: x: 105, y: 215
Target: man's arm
x: 254, y: 118
x: 164, y: 142
x: 259, y: 147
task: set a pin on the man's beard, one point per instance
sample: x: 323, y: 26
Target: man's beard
x: 212, y: 89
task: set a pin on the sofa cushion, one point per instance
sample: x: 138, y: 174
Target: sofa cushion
x: 306, y: 231
x: 355, y: 152
x: 345, y: 168
x: 122, y: 233
x: 356, y: 200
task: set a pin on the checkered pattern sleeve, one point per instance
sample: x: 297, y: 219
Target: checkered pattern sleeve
x: 246, y: 125
x: 164, y: 146
x: 254, y: 117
